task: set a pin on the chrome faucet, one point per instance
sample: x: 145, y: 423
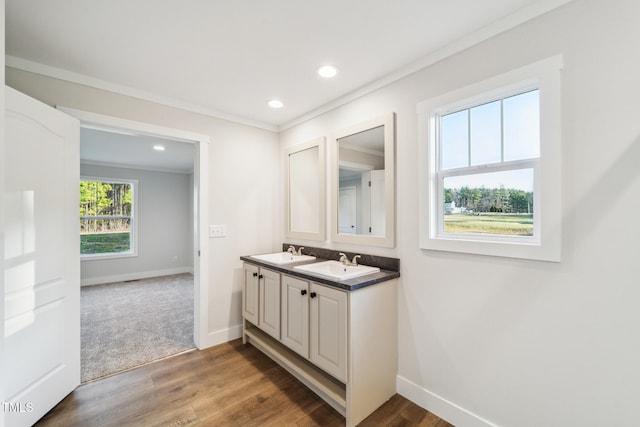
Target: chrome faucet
x: 292, y: 250
x: 345, y: 260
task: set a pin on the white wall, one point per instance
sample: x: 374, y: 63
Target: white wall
x: 486, y: 340
x: 165, y: 227
x: 2, y: 73
x: 243, y: 194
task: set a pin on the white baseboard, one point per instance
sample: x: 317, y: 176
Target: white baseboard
x: 134, y: 276
x: 220, y: 337
x: 441, y: 407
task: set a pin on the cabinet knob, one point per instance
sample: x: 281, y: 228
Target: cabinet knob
x: 312, y: 294
x: 303, y: 292
x: 255, y: 274
x: 260, y: 276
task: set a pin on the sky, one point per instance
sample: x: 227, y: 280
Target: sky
x: 492, y: 133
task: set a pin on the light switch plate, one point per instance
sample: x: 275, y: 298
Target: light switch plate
x: 217, y: 231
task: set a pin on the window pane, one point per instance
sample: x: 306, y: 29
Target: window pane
x: 486, y: 135
x: 454, y: 137
x: 105, y: 236
x: 522, y: 126
x: 490, y: 203
x: 100, y: 233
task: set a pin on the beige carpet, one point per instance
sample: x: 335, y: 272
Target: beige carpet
x: 128, y: 324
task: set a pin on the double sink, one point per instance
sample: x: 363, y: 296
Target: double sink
x: 334, y: 270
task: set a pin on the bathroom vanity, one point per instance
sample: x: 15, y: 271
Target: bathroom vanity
x: 337, y: 336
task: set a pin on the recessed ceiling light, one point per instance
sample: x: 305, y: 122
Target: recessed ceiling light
x: 274, y: 103
x: 158, y: 147
x: 327, y: 71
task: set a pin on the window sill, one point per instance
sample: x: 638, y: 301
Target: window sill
x: 509, y: 249
x: 101, y: 257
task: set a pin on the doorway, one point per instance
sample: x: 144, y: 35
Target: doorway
x: 200, y: 199
x: 136, y: 240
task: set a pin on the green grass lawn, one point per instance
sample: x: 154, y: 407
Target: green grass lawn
x: 104, y: 243
x: 506, y: 224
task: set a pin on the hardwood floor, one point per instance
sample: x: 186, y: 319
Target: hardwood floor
x: 228, y: 385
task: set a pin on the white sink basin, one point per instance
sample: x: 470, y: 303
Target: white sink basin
x: 283, y: 258
x: 336, y: 270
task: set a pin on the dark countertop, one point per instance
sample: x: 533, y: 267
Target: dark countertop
x: 349, y: 284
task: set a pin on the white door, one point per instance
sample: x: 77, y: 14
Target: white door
x: 328, y: 326
x: 250, y: 294
x: 377, y: 204
x: 373, y: 203
x: 269, y: 311
x: 347, y: 223
x: 42, y: 259
x: 295, y: 314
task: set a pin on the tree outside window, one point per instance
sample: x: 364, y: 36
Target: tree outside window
x: 106, y: 217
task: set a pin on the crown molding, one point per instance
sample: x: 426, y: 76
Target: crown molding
x: 70, y: 76
x: 500, y: 26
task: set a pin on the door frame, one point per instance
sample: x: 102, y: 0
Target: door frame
x: 200, y: 196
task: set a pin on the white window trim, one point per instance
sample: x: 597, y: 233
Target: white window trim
x: 133, y: 252
x: 546, y: 243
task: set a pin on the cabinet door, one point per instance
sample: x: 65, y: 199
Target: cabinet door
x: 295, y: 315
x: 250, y: 294
x: 328, y: 327
x: 269, y: 312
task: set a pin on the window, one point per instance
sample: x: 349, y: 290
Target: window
x: 488, y: 161
x: 107, y: 220
x: 490, y: 166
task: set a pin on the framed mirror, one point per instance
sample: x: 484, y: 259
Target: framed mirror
x: 305, y: 179
x: 363, y: 183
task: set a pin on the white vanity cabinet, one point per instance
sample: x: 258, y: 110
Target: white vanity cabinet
x: 342, y: 344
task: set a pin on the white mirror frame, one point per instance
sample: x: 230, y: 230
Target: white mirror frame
x: 388, y: 240
x: 322, y: 178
